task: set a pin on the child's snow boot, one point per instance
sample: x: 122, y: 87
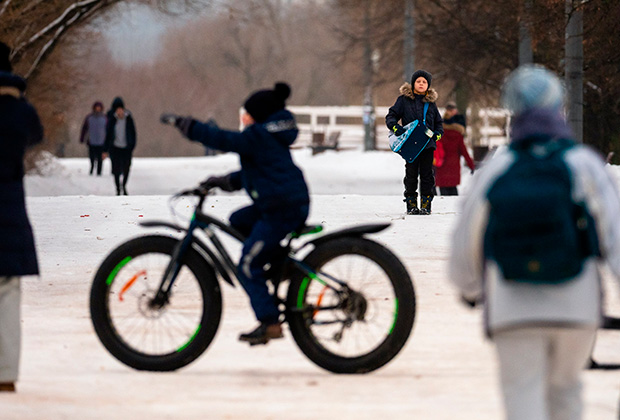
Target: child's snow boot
x: 425, y: 204
x: 412, y: 204
x: 262, y: 334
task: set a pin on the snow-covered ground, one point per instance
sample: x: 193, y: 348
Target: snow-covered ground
x: 446, y: 371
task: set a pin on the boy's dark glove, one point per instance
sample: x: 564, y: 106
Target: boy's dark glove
x: 437, y: 137
x: 224, y: 183
x: 184, y: 124
x: 398, y: 130
x: 469, y: 302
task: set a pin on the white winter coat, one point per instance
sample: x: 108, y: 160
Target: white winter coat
x: 510, y: 304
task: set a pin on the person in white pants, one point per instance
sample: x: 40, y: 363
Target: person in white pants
x: 543, y: 331
x: 10, y: 331
x: 20, y: 128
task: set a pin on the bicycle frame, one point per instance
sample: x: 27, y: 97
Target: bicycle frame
x: 223, y: 263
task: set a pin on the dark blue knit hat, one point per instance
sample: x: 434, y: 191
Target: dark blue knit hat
x: 261, y: 104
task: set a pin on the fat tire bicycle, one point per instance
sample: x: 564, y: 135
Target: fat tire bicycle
x: 156, y: 302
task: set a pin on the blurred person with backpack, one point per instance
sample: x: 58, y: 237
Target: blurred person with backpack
x: 417, y: 101
x: 20, y: 128
x: 93, y: 134
x: 451, y: 148
x: 539, y: 218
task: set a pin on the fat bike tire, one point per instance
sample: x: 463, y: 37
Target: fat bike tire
x: 144, y: 338
x: 377, y: 274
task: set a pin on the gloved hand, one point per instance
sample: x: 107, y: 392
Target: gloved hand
x: 398, y: 130
x: 222, y: 182
x: 184, y: 124
x: 168, y: 118
x: 469, y: 302
x: 437, y: 137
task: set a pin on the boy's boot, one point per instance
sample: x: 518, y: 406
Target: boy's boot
x: 412, y: 204
x: 425, y: 204
x: 262, y: 334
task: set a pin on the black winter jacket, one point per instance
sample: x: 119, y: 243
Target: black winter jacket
x: 410, y: 107
x: 20, y: 128
x: 110, y: 133
x: 268, y: 172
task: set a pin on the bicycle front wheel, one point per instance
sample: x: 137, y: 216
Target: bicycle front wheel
x: 355, y: 312
x: 154, y: 337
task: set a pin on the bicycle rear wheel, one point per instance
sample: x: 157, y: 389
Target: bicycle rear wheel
x: 357, y: 312
x: 151, y: 338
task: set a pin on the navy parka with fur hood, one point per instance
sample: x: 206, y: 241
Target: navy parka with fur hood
x: 20, y: 128
x: 268, y: 172
x: 410, y: 107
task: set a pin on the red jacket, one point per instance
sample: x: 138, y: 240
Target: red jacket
x: 449, y: 173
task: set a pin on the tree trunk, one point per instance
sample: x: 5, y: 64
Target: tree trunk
x: 526, y: 56
x: 369, y: 108
x: 573, y: 72
x: 409, y: 41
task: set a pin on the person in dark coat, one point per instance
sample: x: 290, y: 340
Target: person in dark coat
x: 93, y: 134
x: 20, y: 128
x: 409, y: 107
x: 448, y: 174
x: 120, y: 140
x: 275, y: 184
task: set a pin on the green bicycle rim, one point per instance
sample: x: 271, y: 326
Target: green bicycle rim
x: 118, y: 268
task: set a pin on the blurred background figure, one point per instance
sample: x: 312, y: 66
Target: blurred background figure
x: 539, y: 219
x: 448, y: 169
x: 19, y: 128
x: 93, y: 134
x: 120, y: 140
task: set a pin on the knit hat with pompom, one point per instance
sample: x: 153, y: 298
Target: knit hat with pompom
x: 261, y: 104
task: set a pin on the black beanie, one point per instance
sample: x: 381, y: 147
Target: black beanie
x: 5, y: 63
x: 424, y: 74
x: 261, y: 104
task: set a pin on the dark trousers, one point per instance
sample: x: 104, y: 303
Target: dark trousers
x: 121, y: 162
x: 422, y: 166
x: 94, y: 153
x: 264, y: 231
x: 448, y: 191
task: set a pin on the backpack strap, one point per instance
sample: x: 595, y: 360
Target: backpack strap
x: 425, y: 109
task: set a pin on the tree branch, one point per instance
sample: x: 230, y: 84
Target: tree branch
x: 4, y: 6
x: 56, y: 22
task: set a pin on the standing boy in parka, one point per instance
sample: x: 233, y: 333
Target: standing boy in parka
x: 410, y: 107
x: 275, y: 184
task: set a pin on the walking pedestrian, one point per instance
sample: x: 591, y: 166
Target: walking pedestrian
x: 448, y: 173
x: 20, y: 128
x: 120, y: 140
x: 93, y: 134
x: 537, y: 222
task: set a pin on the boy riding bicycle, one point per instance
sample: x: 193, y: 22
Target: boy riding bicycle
x: 273, y: 181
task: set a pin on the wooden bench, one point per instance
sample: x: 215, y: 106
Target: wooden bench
x: 321, y: 144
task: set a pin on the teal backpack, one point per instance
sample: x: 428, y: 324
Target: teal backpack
x: 536, y: 232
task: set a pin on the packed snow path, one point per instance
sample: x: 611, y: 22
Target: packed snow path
x: 446, y: 371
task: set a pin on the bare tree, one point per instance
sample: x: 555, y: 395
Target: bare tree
x: 574, y: 66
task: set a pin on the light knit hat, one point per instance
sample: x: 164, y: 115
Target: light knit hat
x: 532, y: 87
